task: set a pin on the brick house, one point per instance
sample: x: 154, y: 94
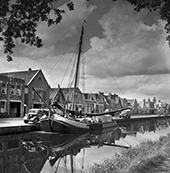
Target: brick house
x: 64, y: 96
x: 88, y: 103
x: 134, y: 104
x: 94, y: 102
x: 149, y: 106
x: 36, y: 79
x: 114, y: 102
x: 11, y: 96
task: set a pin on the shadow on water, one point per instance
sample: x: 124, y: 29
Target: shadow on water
x: 45, y: 152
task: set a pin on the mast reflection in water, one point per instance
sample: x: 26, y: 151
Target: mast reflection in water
x: 48, y: 153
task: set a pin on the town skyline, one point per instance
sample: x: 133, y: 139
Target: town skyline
x: 12, y: 75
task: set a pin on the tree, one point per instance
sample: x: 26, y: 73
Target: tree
x: 19, y: 19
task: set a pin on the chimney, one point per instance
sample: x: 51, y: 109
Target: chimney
x: 29, y: 69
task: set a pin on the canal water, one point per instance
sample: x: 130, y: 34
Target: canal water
x: 40, y: 152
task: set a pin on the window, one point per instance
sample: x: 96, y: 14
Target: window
x: 33, y: 95
x: 26, y: 90
x: 18, y: 90
x: 41, y: 94
x: 1, y: 146
x: 44, y: 95
x: 2, y: 106
x: 12, y: 89
x: 1, y: 164
x: 3, y: 88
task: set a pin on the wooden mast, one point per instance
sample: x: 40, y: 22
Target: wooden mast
x: 78, y: 63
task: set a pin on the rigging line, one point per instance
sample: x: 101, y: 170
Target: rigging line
x: 65, y: 164
x: 72, y: 71
x: 71, y: 82
x: 58, y: 165
x: 66, y: 70
x: 66, y: 48
x: 83, y: 73
x: 106, y: 66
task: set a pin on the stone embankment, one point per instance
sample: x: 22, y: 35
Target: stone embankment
x: 16, y: 125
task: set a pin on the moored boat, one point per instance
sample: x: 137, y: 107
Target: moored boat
x: 60, y: 124
x: 69, y: 121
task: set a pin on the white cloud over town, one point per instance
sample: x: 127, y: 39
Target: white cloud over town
x: 130, y: 58
x: 137, y: 54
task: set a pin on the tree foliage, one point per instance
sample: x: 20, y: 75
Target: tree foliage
x: 152, y: 5
x: 19, y: 19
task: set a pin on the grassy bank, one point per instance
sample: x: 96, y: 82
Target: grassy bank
x: 148, y: 157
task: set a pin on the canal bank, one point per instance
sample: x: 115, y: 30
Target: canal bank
x: 17, y: 125
x: 141, y: 118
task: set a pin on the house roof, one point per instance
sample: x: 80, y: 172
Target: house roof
x: 54, y: 91
x: 28, y: 75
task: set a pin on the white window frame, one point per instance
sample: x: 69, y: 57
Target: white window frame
x: 5, y: 88
x: 33, y: 95
x: 18, y: 90
x: 26, y: 90
x: 13, y: 89
x: 2, y: 110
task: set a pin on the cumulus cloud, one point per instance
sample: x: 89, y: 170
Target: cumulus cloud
x: 132, y: 57
x: 129, y: 46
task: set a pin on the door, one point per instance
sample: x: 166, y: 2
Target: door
x: 15, y: 109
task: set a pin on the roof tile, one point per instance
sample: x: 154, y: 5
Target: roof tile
x: 26, y: 75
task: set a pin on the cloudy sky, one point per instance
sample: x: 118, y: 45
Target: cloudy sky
x: 124, y: 52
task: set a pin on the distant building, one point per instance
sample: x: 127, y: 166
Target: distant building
x: 134, y: 104
x: 57, y: 95
x: 64, y: 96
x: 11, y: 96
x: 87, y: 102
x: 114, y: 102
x: 149, y: 106
x: 36, y: 79
x: 124, y: 102
x: 94, y: 102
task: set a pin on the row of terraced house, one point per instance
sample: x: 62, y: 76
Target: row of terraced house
x: 17, y: 95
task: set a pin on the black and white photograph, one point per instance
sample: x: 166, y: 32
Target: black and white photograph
x: 84, y: 86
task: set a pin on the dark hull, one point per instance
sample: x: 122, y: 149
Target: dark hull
x: 63, y: 125
x: 102, y: 126
x: 50, y: 125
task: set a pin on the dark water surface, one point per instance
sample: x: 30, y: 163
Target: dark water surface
x: 40, y: 152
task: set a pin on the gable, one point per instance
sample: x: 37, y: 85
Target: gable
x: 39, y: 74
x: 25, y: 75
x: 39, y: 81
x: 28, y: 76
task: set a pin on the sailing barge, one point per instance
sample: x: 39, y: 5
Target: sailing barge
x: 68, y: 121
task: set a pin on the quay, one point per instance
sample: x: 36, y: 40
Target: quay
x: 17, y: 125
x: 141, y: 118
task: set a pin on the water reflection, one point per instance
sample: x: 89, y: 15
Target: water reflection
x: 144, y: 126
x: 45, y: 153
